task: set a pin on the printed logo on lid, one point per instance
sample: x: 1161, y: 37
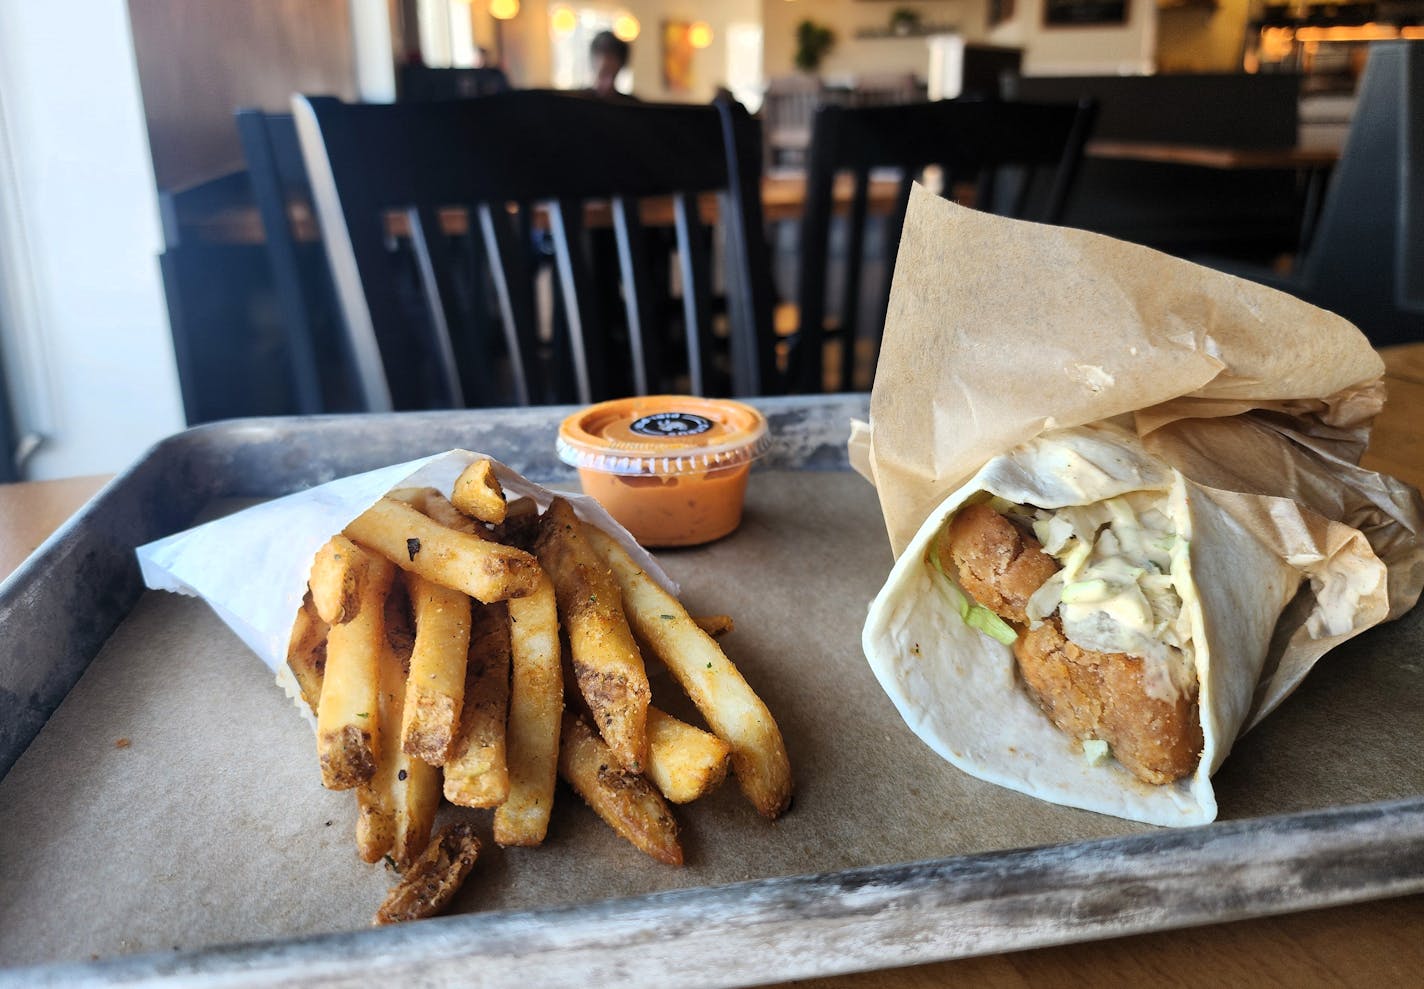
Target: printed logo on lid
x: 671, y: 424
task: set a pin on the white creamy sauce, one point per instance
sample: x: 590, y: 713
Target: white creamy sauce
x: 1124, y: 572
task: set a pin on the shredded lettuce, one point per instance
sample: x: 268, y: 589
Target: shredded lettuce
x: 990, y: 624
x: 976, y: 616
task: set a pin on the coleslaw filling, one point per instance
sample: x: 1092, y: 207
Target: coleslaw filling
x: 1122, y: 577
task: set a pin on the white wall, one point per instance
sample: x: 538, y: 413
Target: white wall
x: 1126, y: 49
x: 853, y: 56
x: 87, y: 342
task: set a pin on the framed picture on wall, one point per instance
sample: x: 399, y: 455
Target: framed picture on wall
x: 1084, y: 13
x: 677, y: 56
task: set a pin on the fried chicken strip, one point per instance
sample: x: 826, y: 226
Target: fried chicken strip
x: 1085, y: 693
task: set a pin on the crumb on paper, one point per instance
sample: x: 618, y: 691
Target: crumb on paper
x: 1093, y: 376
x: 122, y: 743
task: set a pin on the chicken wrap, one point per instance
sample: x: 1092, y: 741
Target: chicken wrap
x: 1082, y: 623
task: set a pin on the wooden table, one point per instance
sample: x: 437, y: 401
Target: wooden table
x: 783, y: 198
x: 1209, y: 156
x: 1369, y: 944
x: 1312, y: 164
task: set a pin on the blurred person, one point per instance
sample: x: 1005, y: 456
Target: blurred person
x: 608, y: 55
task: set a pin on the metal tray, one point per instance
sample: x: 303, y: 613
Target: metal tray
x: 59, y: 609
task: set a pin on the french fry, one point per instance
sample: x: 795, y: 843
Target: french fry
x: 435, y: 689
x: 715, y: 625
x: 306, y: 652
x: 521, y: 524
x: 486, y: 571
x: 432, y: 880
x: 624, y: 799
x: 375, y: 803
x: 429, y: 501
x: 347, y: 722
x: 396, y: 807
x: 536, y: 703
x: 477, y: 493
x: 477, y: 771
x: 400, y: 622
x: 684, y: 762
x: 608, y: 667
x: 731, y: 707
x: 335, y: 580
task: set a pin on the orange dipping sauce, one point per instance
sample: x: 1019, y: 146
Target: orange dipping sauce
x: 671, y: 468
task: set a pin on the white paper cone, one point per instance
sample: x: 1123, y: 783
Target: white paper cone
x: 251, y: 567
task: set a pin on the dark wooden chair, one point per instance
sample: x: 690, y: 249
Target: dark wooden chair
x: 1021, y: 158
x: 422, y: 84
x: 513, y: 165
x: 230, y: 347
x: 1365, y: 260
x: 305, y: 296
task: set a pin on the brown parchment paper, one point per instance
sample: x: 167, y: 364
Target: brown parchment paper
x: 1000, y: 331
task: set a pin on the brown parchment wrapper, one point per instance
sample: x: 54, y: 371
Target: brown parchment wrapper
x: 999, y: 331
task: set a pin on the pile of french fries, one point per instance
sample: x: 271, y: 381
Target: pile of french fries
x: 428, y: 647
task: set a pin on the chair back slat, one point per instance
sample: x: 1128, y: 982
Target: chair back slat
x: 696, y: 274
x: 341, y: 239
x: 894, y: 226
x: 972, y: 141
x: 751, y: 295
x: 587, y: 341
x: 435, y: 271
x: 643, y: 337
x: 854, y: 272
x: 513, y: 287
x: 804, y: 363
x: 292, y: 297
x: 581, y: 155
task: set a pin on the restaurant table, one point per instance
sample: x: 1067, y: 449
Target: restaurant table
x: 1212, y: 156
x: 1373, y: 943
x: 783, y: 199
x: 1312, y: 164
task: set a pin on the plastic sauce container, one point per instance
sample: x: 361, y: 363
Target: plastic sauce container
x: 671, y: 468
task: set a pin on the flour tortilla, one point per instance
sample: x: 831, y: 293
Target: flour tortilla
x: 958, y: 689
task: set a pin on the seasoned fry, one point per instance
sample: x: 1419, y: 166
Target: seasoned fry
x: 625, y: 800
x: 477, y: 772
x: 335, y: 580
x: 396, y: 807
x: 731, y: 707
x: 432, y: 880
x: 477, y: 493
x: 535, y: 705
x: 684, y: 762
x: 306, y: 652
x: 435, y: 689
x: 607, y: 664
x: 715, y: 625
x: 347, y: 721
x: 375, y: 805
x: 429, y: 501
x: 487, y: 571
x: 521, y: 524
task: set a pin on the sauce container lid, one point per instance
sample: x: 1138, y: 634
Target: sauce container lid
x: 662, y: 434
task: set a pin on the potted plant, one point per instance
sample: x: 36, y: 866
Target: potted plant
x: 904, y: 21
x: 813, y: 42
